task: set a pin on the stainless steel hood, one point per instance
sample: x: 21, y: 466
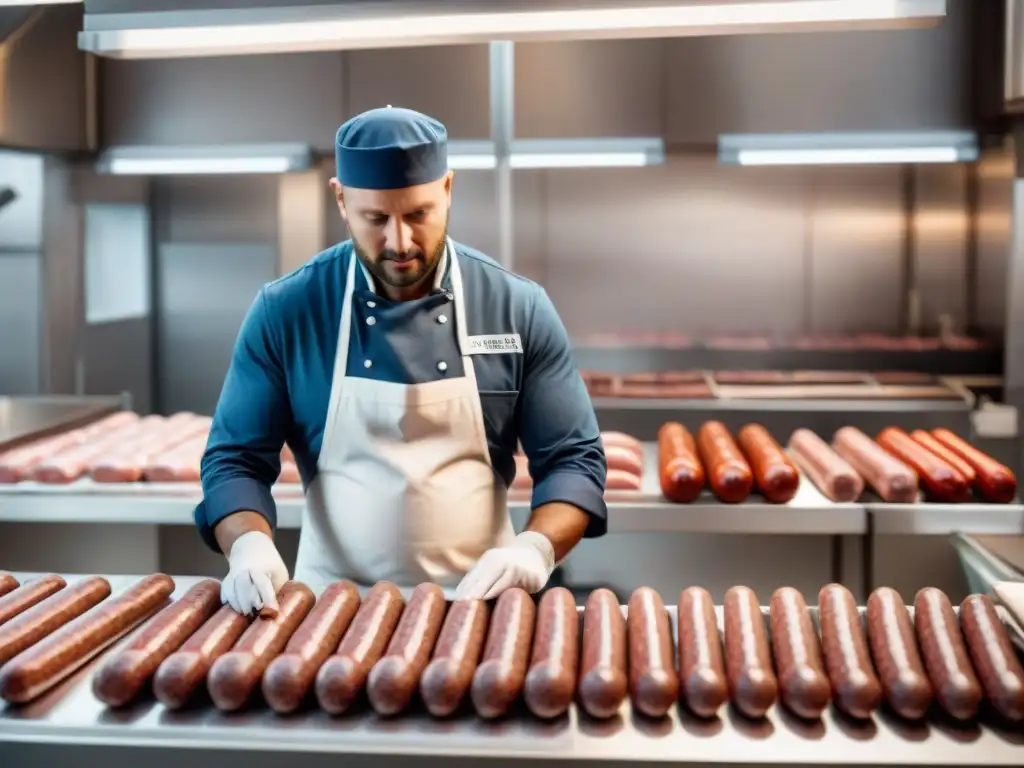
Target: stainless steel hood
x: 176, y: 28
x: 44, y: 86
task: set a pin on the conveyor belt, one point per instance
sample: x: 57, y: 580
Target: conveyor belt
x: 69, y: 724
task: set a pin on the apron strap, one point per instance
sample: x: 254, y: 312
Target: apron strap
x: 460, y: 315
x: 341, y: 353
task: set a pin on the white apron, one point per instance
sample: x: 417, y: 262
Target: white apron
x: 404, y: 490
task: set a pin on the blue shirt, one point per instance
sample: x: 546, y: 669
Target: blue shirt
x: 279, y: 382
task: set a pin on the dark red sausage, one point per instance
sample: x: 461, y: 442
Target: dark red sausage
x: 447, y: 678
x: 680, y: 472
x: 551, y: 680
x: 30, y: 593
x: 938, y: 479
x: 945, y: 655
x: 502, y: 672
x: 855, y: 687
x: 774, y: 474
x: 7, y: 583
x: 995, y: 482
x: 994, y: 657
x: 701, y: 666
x: 123, y: 674
x: 729, y: 474
x: 603, y: 681
x: 36, y: 670
x: 894, y: 649
x: 802, y: 679
x: 653, y: 681
x: 28, y: 628
x: 289, y: 677
x: 927, y: 441
x: 748, y: 661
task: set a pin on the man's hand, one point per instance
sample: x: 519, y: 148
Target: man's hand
x: 527, y: 563
x: 256, y: 572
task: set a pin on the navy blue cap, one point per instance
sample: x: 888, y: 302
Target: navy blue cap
x: 391, y: 148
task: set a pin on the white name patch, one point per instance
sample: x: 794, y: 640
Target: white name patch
x: 495, y: 344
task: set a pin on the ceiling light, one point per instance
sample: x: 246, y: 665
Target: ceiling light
x: 559, y: 153
x: 318, y: 28
x: 186, y: 160
x: 848, y: 148
x: 39, y: 2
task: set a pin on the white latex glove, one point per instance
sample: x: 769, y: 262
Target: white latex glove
x: 256, y: 572
x: 526, y: 563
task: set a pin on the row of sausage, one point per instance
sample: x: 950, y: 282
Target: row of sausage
x: 486, y: 655
x: 623, y: 453
x: 896, y: 465
x: 121, y: 448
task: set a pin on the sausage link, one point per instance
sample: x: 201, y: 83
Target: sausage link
x: 805, y: 688
x: 992, y: 652
x: 342, y: 677
x: 124, y: 673
x: 28, y: 594
x: 28, y: 628
x: 7, y: 583
x: 447, y: 678
x: 290, y: 676
x: 894, y: 649
x: 393, y: 679
x: 938, y: 479
x: 551, y: 680
x: 926, y: 441
x: 680, y: 472
x: 774, y: 474
x: 502, y: 671
x: 945, y: 655
x: 855, y: 687
x: 653, y: 680
x: 701, y: 666
x: 51, y: 660
x: 236, y: 675
x: 995, y: 482
x: 181, y: 673
x: 748, y: 661
x: 891, y: 479
x: 830, y: 472
x: 603, y: 681
x: 729, y: 474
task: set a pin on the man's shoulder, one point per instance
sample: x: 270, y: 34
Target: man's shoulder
x: 483, y: 271
x: 327, y: 266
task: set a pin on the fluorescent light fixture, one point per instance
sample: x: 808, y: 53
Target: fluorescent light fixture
x: 39, y: 2
x: 397, y: 24
x: 848, y: 148
x: 198, y: 160
x: 559, y: 153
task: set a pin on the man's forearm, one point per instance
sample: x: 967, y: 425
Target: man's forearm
x: 233, y: 526
x: 563, y: 525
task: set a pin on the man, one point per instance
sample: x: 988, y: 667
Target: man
x: 402, y: 369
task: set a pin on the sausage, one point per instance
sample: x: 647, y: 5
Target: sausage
x: 653, y: 681
x: 805, y: 687
x: 995, y: 482
x: 830, y: 472
x: 235, y: 676
x: 728, y: 472
x: 892, y: 480
x: 7, y: 583
x: 945, y: 655
x: 855, y: 687
x: 894, y: 649
x: 58, y: 655
x: 181, y: 673
x: 124, y: 674
x: 28, y: 628
x: 774, y: 474
x: 290, y: 676
x: 502, y: 671
x: 394, y: 678
x: 624, y: 459
x: 71, y: 463
x: 179, y: 465
x: 938, y: 479
x: 551, y: 679
x: 447, y: 678
x: 680, y: 472
x: 126, y: 463
x: 618, y: 480
x: 993, y: 655
x: 928, y: 442
x: 603, y: 682
x: 29, y: 594
x: 701, y: 666
x: 344, y: 674
x: 621, y: 439
x: 753, y: 686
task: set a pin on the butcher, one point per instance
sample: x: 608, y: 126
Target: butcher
x: 402, y: 369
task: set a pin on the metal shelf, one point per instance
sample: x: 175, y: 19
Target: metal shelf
x: 944, y: 519
x: 70, y: 722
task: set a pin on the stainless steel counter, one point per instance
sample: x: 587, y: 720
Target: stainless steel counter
x: 26, y: 418
x: 69, y: 721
